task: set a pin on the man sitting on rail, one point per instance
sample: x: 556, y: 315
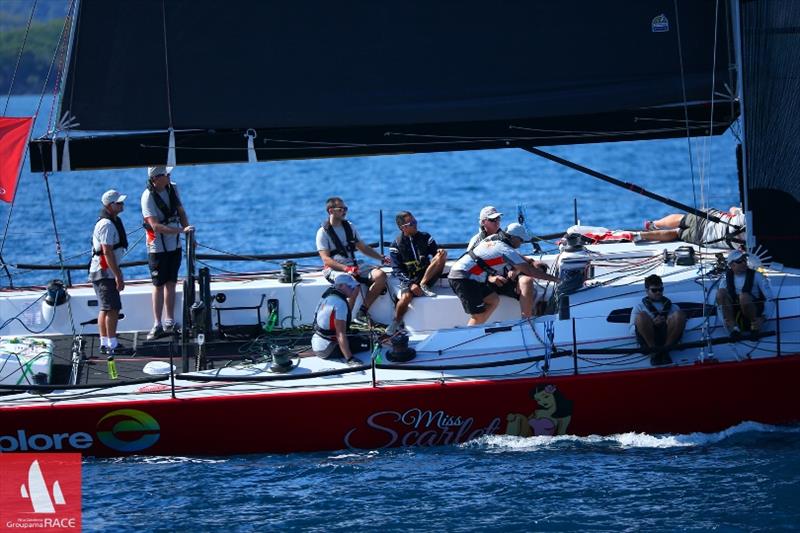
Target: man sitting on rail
x: 742, y: 295
x: 657, y: 323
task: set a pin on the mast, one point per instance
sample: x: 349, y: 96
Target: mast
x: 737, y: 45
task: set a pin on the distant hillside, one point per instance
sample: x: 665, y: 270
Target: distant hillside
x: 38, y: 53
x: 15, y: 13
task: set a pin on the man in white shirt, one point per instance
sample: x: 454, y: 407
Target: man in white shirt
x: 109, y: 242
x: 332, y: 320
x: 164, y: 220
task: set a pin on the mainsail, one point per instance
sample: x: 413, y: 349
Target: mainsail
x: 317, y: 79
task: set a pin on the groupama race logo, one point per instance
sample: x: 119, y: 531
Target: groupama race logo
x: 128, y: 430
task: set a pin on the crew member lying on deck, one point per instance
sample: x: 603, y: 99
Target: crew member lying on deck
x: 332, y: 320
x: 694, y: 229
x: 657, y: 322
x: 743, y: 295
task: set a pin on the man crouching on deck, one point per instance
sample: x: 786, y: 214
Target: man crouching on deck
x: 332, y: 320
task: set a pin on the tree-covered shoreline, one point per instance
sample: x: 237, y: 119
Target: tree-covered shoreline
x: 35, y: 60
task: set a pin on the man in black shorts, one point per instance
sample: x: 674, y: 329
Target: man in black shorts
x: 109, y: 242
x: 164, y: 221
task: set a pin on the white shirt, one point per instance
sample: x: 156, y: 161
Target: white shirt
x: 156, y: 242
x: 104, y: 233
x: 329, y: 310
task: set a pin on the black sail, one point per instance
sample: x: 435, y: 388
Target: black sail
x: 317, y: 78
x: 771, y: 96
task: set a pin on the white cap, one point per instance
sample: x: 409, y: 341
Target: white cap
x: 519, y: 231
x: 735, y: 255
x: 489, y: 212
x: 345, y: 279
x: 152, y: 172
x: 109, y: 197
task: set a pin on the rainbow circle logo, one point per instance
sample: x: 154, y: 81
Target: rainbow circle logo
x: 128, y: 430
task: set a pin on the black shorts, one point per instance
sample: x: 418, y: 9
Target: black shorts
x: 164, y: 266
x: 107, y: 294
x: 659, y: 336
x: 471, y: 293
x: 509, y: 289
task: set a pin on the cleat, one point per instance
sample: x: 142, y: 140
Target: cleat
x: 104, y: 350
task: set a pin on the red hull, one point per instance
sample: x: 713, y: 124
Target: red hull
x: 707, y: 398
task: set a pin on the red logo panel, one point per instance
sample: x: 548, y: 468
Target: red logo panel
x: 40, y: 491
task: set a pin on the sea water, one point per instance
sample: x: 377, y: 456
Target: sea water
x: 745, y: 478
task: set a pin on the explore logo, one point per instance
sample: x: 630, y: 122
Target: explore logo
x: 128, y: 430
x: 40, y: 491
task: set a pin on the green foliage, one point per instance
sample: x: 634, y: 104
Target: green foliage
x: 36, y: 57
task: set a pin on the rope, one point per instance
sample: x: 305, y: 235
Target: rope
x: 166, y: 60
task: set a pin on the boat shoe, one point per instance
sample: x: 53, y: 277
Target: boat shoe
x: 156, y: 333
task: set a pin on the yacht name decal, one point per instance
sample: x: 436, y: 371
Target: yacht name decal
x: 417, y: 427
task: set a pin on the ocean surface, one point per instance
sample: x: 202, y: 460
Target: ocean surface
x: 746, y: 478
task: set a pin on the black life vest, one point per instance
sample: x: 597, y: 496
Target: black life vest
x: 168, y: 212
x: 120, y: 227
x: 414, y: 252
x: 330, y: 334
x: 648, y: 303
x: 348, y: 250
x: 749, y: 279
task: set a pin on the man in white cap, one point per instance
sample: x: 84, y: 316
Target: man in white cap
x: 164, y: 221
x: 489, y: 224
x: 109, y: 242
x: 743, y: 293
x: 479, y: 275
x: 332, y: 320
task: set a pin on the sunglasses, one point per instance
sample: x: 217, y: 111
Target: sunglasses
x: 340, y: 208
x: 118, y: 203
x: 740, y: 261
x: 409, y: 224
x: 656, y: 289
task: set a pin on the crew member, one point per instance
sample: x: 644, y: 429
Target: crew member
x: 332, y: 320
x: 109, y: 242
x: 478, y: 275
x: 337, y: 242
x: 417, y: 261
x: 164, y: 221
x: 657, y: 322
x: 743, y: 295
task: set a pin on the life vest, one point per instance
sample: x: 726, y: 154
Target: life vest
x: 414, y: 252
x: 501, y: 236
x: 349, y: 250
x: 330, y: 333
x: 749, y: 278
x: 648, y: 303
x: 123, y: 237
x: 169, y: 213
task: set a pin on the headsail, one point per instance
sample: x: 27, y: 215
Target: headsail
x: 316, y: 79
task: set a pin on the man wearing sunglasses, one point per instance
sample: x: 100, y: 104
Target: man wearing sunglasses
x: 743, y: 295
x: 337, y: 242
x: 417, y: 261
x: 488, y: 225
x: 109, y: 242
x: 657, y: 323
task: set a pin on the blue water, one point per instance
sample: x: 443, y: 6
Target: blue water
x: 744, y: 479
